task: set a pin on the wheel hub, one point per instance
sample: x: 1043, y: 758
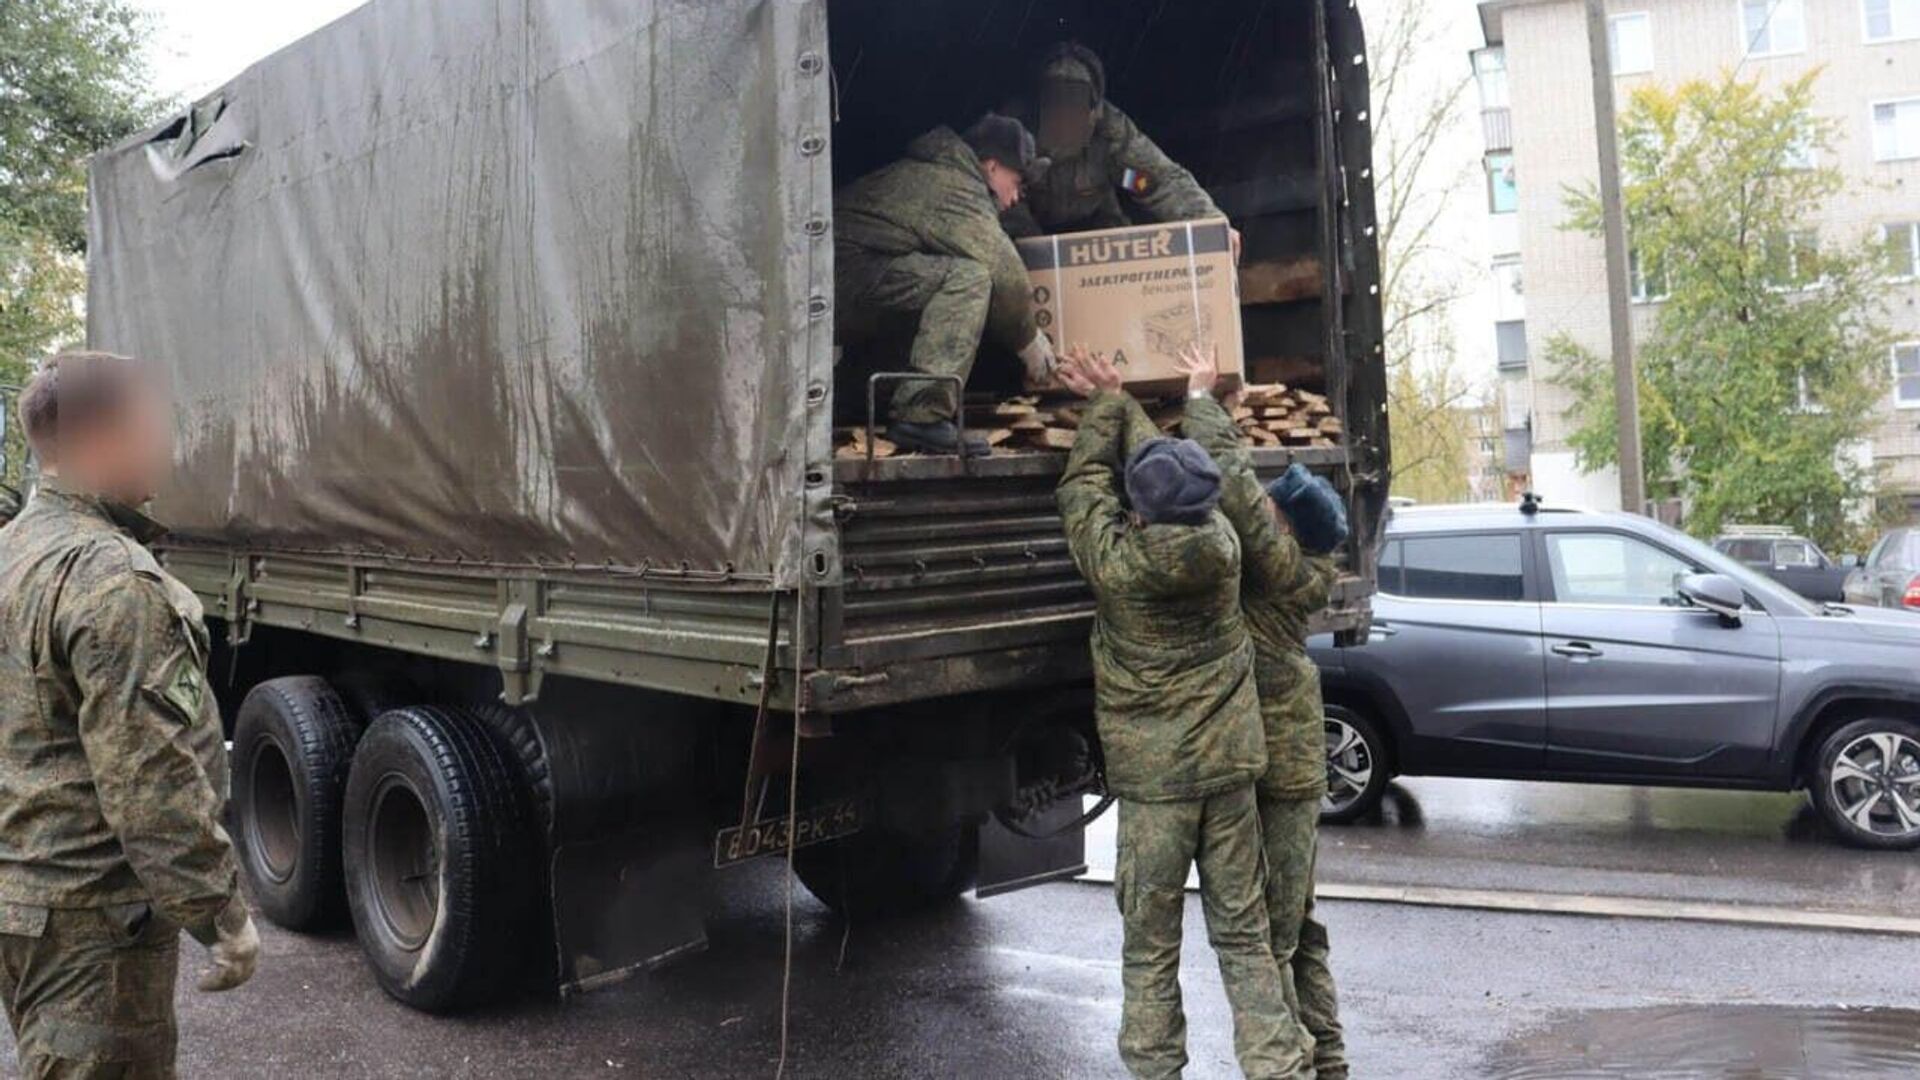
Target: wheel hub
x: 1875, y: 782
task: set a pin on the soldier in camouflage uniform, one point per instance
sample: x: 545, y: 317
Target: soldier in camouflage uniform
x: 922, y: 238
x: 1096, y: 154
x: 112, y: 766
x: 1178, y: 718
x: 1281, y: 586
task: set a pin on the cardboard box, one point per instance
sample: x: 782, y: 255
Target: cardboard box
x: 1141, y: 294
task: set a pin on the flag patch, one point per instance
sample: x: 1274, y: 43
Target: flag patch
x: 1135, y: 182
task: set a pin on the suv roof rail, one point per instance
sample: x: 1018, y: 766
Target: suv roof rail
x: 1763, y: 532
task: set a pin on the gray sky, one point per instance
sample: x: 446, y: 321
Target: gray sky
x: 200, y: 44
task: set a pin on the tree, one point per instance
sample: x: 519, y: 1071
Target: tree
x: 1767, y: 356
x: 1417, y: 113
x: 73, y: 79
x: 1431, y: 439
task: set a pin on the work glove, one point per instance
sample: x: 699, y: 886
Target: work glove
x: 1038, y: 359
x: 235, y: 949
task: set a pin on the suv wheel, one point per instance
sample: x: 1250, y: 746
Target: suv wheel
x: 1356, y: 765
x: 1866, y: 783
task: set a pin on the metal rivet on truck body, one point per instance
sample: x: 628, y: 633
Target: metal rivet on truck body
x: 812, y: 144
x: 811, y: 63
x: 816, y: 393
x: 816, y: 227
x: 817, y: 307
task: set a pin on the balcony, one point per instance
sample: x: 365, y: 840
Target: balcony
x: 1497, y: 125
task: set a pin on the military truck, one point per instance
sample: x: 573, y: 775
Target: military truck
x: 502, y: 341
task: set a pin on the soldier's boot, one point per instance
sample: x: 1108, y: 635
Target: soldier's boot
x: 938, y: 437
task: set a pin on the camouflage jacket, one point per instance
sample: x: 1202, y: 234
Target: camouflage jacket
x: 112, y: 760
x: 935, y: 201
x: 1280, y: 589
x: 1083, y: 192
x: 9, y: 504
x: 1175, y: 703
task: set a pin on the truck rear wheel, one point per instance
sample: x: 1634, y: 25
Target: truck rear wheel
x: 438, y: 842
x: 878, y: 875
x: 292, y: 746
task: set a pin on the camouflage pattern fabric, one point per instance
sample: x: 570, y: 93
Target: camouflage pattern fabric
x: 1290, y: 830
x: 923, y: 235
x: 1083, y: 192
x: 1175, y: 702
x: 112, y: 764
x: 1158, y: 842
x: 89, y: 991
x: 1280, y: 589
x: 9, y: 505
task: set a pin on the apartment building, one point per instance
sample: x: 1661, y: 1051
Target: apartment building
x: 1535, y: 93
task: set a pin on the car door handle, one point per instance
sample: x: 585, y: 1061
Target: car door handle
x: 1577, y: 650
x: 1382, y: 630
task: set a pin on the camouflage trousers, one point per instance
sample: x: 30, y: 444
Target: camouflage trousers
x: 1159, y: 841
x: 89, y: 991
x: 1290, y: 830
x: 948, y: 295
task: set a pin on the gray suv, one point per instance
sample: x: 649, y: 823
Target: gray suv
x: 1529, y: 642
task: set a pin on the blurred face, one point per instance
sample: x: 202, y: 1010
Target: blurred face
x: 1006, y: 184
x: 1066, y: 117
x: 126, y: 455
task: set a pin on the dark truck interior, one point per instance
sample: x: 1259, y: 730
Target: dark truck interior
x: 1265, y: 102
x: 1227, y: 87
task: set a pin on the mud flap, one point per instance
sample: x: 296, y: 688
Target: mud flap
x: 625, y: 903
x: 1010, y: 862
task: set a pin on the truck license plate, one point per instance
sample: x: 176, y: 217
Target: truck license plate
x: 818, y: 825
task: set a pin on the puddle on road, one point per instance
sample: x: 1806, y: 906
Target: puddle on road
x: 1757, y: 1042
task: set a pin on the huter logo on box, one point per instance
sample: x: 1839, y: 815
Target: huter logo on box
x: 1106, y: 249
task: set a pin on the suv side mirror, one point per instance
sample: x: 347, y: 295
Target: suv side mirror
x: 1717, y: 593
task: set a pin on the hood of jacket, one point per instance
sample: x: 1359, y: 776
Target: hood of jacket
x: 1188, y: 559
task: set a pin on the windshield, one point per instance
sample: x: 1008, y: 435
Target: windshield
x: 1771, y: 594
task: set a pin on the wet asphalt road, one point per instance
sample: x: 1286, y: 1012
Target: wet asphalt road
x: 1028, y: 985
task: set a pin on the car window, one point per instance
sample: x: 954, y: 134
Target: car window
x: 1879, y: 550
x: 1607, y: 568
x: 1752, y: 551
x: 1478, y: 566
x: 1909, y: 552
x: 1794, y: 553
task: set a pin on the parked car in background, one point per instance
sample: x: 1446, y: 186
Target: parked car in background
x: 1788, y: 558
x: 1537, y: 643
x: 1890, y: 576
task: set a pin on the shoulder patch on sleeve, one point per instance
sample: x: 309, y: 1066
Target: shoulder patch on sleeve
x: 1136, y: 182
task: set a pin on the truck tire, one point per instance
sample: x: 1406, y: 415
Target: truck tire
x: 292, y: 745
x: 880, y: 875
x: 438, y: 843
x: 1866, y: 780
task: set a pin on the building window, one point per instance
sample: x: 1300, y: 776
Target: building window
x: 1490, y: 71
x: 1503, y: 190
x: 1896, y: 130
x: 1630, y: 40
x: 1647, y: 282
x: 1510, y: 341
x: 1891, y: 20
x: 1906, y: 375
x: 1791, y: 260
x: 1801, y: 154
x: 1773, y: 27
x: 1902, y: 239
